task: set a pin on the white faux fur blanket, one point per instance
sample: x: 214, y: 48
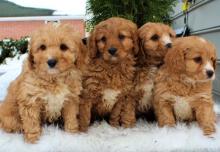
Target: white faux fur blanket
x: 104, y: 138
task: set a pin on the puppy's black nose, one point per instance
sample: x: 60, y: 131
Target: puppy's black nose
x: 169, y: 45
x: 52, y: 62
x: 209, y: 73
x: 112, y: 50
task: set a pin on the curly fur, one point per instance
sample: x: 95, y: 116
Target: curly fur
x: 150, y: 58
x: 41, y: 94
x: 182, y: 86
x: 108, y: 81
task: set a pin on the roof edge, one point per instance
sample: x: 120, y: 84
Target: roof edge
x: 39, y: 18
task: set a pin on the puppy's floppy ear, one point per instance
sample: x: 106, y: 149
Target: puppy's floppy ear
x: 136, y: 45
x: 93, y: 50
x: 214, y: 57
x: 82, y: 57
x: 30, y: 58
x: 141, y: 54
x: 171, y: 31
x: 214, y: 64
x: 175, y: 59
x: 133, y: 31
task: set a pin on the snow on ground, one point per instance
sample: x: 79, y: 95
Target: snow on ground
x: 102, y: 137
x: 8, y: 72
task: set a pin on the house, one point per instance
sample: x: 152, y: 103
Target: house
x: 203, y: 20
x: 17, y: 21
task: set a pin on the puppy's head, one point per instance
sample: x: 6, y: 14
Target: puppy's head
x: 192, y: 56
x: 155, y: 39
x: 55, y: 49
x: 113, y: 40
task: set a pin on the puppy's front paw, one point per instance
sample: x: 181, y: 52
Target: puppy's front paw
x: 71, y: 128
x: 32, y: 137
x: 128, y: 124
x: 167, y: 123
x: 83, y: 129
x: 10, y: 126
x: 114, y: 123
x: 209, y: 130
x: 128, y: 121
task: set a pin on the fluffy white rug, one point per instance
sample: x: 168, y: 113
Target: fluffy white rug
x: 101, y: 137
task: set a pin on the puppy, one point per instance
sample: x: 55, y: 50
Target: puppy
x: 183, y: 85
x: 108, y: 81
x: 154, y: 39
x: 49, y: 86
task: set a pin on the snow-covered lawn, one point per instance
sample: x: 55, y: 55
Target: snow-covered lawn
x: 102, y: 137
x: 9, y: 72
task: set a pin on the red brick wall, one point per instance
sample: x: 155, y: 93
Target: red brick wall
x: 79, y: 25
x: 17, y: 29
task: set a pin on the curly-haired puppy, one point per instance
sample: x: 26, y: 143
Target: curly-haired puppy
x: 183, y: 85
x: 108, y: 81
x: 154, y: 39
x: 49, y: 86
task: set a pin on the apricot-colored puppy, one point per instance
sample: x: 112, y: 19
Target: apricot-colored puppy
x: 108, y: 81
x: 183, y: 85
x: 155, y: 40
x: 49, y: 86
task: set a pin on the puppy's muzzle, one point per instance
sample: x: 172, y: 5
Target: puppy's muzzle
x: 209, y: 73
x: 112, y: 50
x: 52, y: 63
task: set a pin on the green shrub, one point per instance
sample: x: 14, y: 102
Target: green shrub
x: 11, y: 48
x: 139, y: 11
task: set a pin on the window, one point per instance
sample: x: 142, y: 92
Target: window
x: 52, y: 21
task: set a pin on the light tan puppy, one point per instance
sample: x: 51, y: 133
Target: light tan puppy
x: 108, y: 81
x: 49, y: 86
x: 155, y: 40
x: 183, y: 85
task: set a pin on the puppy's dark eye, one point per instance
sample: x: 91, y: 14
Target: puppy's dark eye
x: 198, y: 59
x: 43, y: 47
x: 121, y: 37
x: 63, y: 47
x: 171, y: 35
x: 155, y: 37
x: 103, y: 39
